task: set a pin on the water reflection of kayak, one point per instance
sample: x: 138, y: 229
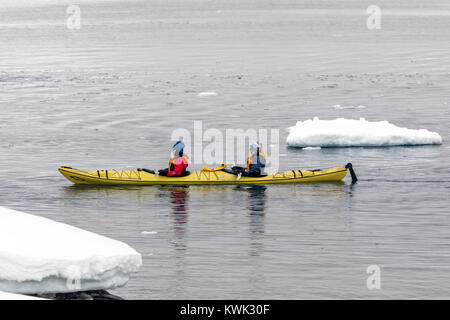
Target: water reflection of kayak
x: 146, y: 177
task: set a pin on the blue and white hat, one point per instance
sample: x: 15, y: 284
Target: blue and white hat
x: 179, y: 147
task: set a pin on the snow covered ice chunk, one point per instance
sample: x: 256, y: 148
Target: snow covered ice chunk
x: 38, y: 255
x: 356, y: 133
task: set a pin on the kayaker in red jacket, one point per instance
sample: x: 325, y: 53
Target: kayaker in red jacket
x: 178, y: 165
x: 178, y: 162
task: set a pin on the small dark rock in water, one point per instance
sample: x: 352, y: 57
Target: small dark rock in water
x: 82, y: 295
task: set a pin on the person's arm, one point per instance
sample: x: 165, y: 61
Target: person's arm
x: 186, y: 159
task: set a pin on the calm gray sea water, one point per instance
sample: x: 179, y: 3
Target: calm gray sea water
x: 110, y: 94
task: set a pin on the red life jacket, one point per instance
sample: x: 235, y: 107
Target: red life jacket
x: 177, y: 166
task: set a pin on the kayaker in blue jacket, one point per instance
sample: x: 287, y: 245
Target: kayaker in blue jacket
x: 255, y: 162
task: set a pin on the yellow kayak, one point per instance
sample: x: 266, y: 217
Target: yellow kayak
x: 216, y: 177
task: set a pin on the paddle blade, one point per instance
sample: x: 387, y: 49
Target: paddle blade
x: 205, y: 168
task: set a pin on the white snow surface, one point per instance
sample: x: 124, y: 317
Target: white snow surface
x: 356, y: 133
x: 39, y: 255
x: 15, y: 296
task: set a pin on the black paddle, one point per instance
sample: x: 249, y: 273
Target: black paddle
x: 352, y: 172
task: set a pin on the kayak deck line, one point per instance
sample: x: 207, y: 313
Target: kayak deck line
x: 140, y: 177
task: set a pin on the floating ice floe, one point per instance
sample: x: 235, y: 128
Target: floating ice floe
x: 207, y: 94
x: 356, y: 133
x: 38, y: 255
x: 338, y: 106
x: 149, y: 232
